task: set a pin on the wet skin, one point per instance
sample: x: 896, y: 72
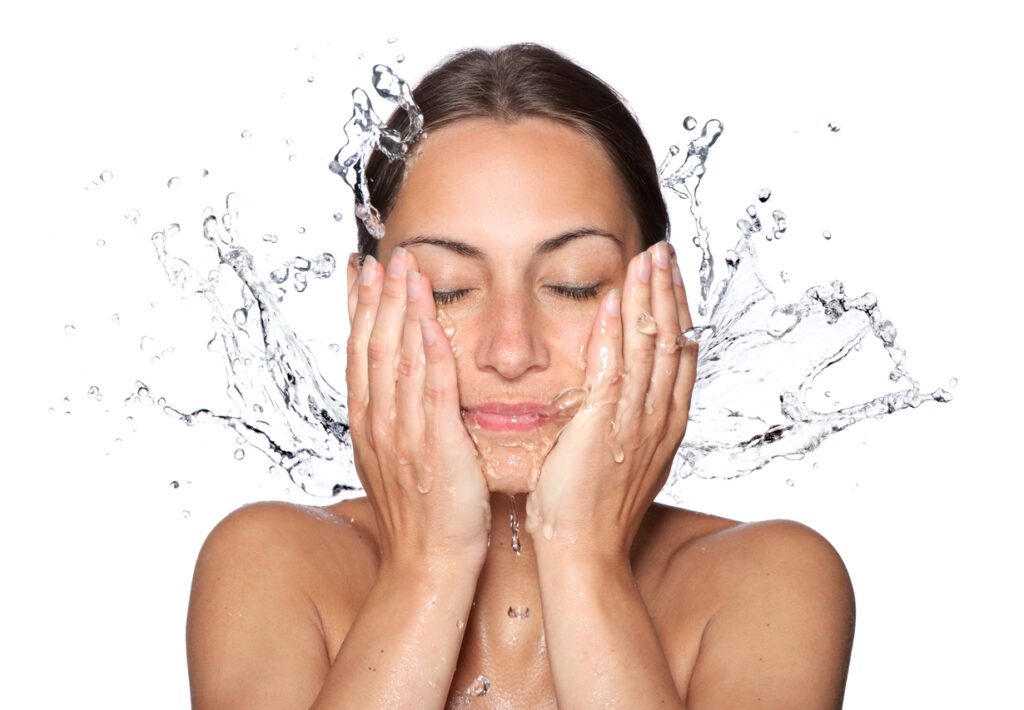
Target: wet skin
x: 720, y: 613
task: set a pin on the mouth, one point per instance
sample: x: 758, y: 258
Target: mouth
x: 508, y: 416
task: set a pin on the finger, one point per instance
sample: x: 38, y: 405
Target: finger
x: 682, y: 305
x: 353, y: 285
x: 364, y: 296
x: 440, y: 385
x: 384, y: 345
x: 368, y: 297
x: 604, y: 351
x: 666, y: 353
x: 638, y: 342
x: 412, y: 365
x: 682, y: 390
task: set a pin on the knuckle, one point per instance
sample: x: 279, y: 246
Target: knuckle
x: 353, y: 349
x: 433, y: 395
x: 408, y: 364
x: 378, y: 350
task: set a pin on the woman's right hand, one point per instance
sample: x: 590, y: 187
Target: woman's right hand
x: 413, y: 455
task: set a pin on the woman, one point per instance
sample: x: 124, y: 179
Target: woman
x: 555, y: 382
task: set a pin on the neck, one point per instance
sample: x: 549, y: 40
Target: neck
x: 508, y: 580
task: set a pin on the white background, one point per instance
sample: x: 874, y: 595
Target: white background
x: 920, y: 188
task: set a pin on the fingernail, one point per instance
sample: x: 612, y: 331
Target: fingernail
x: 412, y: 285
x: 643, y: 267
x: 425, y: 330
x: 661, y: 255
x: 613, y: 302
x: 397, y: 262
x: 369, y: 270
x: 677, y: 278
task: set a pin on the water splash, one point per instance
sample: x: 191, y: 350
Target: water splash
x: 758, y: 359
x: 366, y: 132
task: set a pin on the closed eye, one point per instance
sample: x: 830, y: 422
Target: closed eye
x: 576, y: 293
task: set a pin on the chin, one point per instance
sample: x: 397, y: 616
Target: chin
x: 510, y: 483
x: 512, y: 467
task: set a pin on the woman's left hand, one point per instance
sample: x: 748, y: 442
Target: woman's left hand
x: 615, y: 454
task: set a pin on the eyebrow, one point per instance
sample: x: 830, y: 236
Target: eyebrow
x: 545, y: 247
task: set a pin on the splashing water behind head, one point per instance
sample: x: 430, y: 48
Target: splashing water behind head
x: 757, y: 362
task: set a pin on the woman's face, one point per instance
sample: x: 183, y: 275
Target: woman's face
x: 520, y: 229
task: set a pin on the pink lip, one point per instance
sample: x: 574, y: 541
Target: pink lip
x: 509, y: 416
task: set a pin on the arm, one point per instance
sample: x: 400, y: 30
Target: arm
x: 601, y: 642
x: 402, y: 649
x: 254, y: 632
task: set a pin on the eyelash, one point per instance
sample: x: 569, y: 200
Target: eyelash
x: 576, y: 293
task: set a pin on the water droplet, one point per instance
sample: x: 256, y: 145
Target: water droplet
x: 479, y: 687
x: 392, y: 40
x: 400, y: 58
x: 299, y: 281
x: 239, y: 454
x: 173, y: 182
x: 279, y: 276
x: 673, y: 150
x: 69, y: 330
x: 360, y: 56
x: 334, y: 347
x: 689, y: 123
x: 833, y: 126
x: 784, y: 275
x: 764, y: 194
x: 186, y: 514
x: 291, y: 157
x: 206, y: 173
x: 548, y: 530
x: 338, y: 216
x: 827, y: 234
x: 309, y: 79
x: 301, y: 263
x: 645, y: 324
x: 271, y: 238
x: 247, y: 134
x: 954, y: 382
x: 789, y: 482
x: 92, y: 185
x: 323, y: 266
x: 101, y: 242
x: 175, y: 484
x: 460, y: 624
x: 519, y: 612
x: 106, y: 176
x: 94, y: 393
x: 827, y: 393
x: 301, y: 230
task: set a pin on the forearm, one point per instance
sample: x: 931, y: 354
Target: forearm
x: 403, y: 647
x: 603, y: 648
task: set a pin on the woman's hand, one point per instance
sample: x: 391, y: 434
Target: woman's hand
x: 615, y: 454
x: 412, y: 453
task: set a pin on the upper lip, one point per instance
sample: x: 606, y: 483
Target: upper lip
x: 513, y: 409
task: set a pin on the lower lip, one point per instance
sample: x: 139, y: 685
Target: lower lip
x: 500, y: 422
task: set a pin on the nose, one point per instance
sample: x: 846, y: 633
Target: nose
x: 511, y: 342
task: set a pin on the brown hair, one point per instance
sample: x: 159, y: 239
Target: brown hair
x: 516, y: 81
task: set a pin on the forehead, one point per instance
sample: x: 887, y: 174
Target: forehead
x: 495, y: 184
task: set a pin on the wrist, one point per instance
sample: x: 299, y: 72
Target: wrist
x: 575, y: 553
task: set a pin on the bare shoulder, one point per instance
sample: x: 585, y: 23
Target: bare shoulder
x: 265, y: 582
x: 779, y: 615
